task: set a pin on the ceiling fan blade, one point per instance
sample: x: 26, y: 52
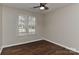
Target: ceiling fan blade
x: 43, y: 4
x: 46, y: 8
x: 36, y: 7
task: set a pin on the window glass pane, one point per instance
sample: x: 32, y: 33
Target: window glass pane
x: 21, y: 25
x: 31, y: 24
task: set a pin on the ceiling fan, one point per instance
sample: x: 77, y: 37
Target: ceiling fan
x: 42, y: 6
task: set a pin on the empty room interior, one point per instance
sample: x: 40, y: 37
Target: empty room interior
x: 39, y: 29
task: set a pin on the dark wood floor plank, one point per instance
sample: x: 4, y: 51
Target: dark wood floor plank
x: 41, y: 47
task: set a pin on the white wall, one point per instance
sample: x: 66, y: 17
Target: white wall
x: 10, y: 18
x: 0, y: 27
x: 62, y: 26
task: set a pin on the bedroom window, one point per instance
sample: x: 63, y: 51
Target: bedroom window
x: 26, y: 25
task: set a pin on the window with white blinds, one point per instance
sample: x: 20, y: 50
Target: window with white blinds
x: 26, y: 24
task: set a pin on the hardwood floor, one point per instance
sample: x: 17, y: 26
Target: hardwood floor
x: 41, y: 47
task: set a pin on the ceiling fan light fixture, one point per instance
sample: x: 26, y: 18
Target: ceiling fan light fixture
x: 42, y: 8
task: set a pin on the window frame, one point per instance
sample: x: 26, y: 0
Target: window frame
x: 26, y: 25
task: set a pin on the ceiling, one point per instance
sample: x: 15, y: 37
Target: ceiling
x: 29, y: 6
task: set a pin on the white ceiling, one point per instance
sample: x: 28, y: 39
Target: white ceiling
x: 29, y: 6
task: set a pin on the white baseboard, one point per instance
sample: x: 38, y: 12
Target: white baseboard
x: 70, y: 48
x: 1, y: 50
x: 4, y: 46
